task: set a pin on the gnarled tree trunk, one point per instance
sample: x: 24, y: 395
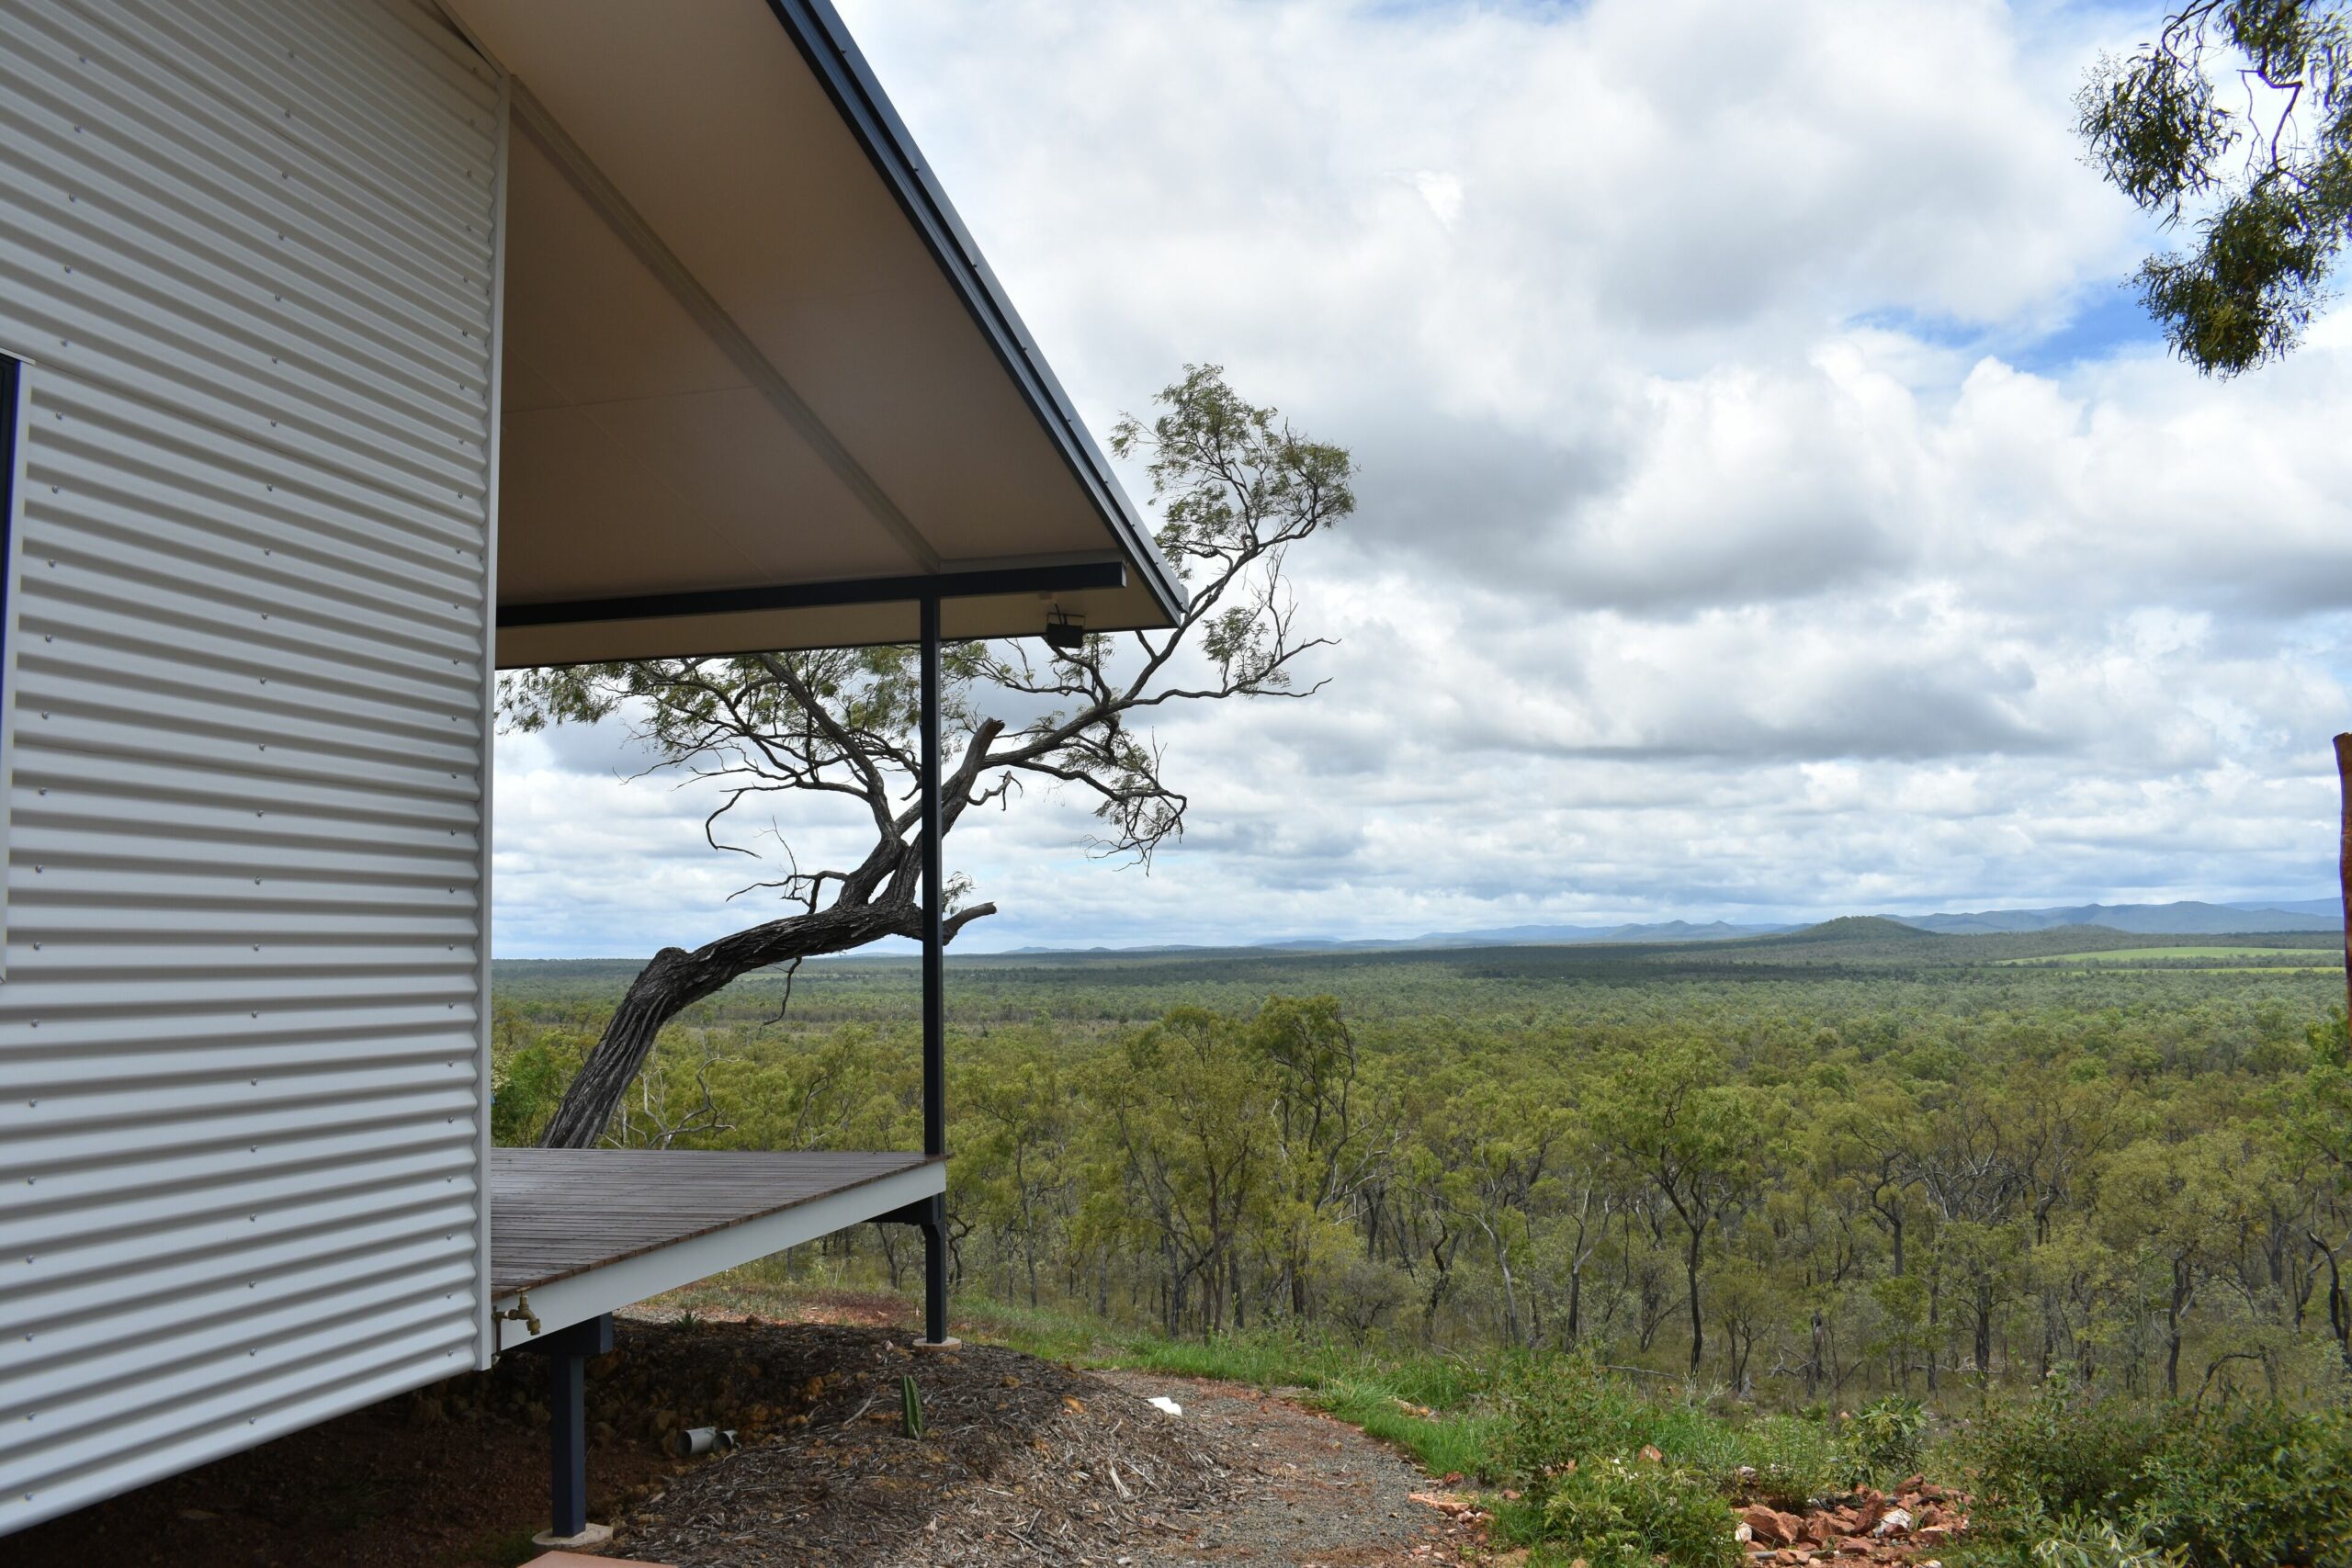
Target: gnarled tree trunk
x: 676, y: 979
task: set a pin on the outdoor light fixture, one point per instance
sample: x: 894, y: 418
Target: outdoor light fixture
x: 1064, y: 635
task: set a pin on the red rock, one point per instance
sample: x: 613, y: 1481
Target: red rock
x: 1771, y: 1525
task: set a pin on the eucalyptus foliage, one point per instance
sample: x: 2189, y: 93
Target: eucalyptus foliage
x: 2237, y: 120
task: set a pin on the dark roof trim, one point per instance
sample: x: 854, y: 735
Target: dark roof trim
x: 1074, y: 577
x: 825, y: 42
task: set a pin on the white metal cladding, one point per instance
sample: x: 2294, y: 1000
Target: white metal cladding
x: 250, y: 243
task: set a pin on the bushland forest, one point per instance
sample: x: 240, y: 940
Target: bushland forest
x: 1853, y: 1161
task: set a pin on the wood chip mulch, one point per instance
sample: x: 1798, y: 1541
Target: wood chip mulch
x: 1021, y: 1460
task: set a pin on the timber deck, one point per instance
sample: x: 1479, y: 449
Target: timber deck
x: 574, y: 1233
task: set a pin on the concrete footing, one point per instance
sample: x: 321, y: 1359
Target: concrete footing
x: 593, y: 1535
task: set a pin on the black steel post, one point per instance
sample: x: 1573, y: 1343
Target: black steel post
x: 566, y: 1350
x: 567, y: 1445
x: 934, y: 984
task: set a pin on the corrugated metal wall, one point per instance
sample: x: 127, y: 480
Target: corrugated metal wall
x: 250, y: 245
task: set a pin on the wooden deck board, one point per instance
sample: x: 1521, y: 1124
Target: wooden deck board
x: 558, y: 1212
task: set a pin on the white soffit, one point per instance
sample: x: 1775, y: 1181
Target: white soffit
x: 734, y: 359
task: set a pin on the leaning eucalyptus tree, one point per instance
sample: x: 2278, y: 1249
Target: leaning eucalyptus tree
x: 1236, y: 489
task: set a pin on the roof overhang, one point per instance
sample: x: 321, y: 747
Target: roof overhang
x: 760, y: 391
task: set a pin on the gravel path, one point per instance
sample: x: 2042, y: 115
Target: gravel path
x: 1312, y: 1491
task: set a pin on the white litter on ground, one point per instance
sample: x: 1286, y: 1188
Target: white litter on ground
x: 1162, y: 1402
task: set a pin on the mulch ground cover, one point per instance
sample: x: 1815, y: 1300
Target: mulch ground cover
x: 1021, y: 1460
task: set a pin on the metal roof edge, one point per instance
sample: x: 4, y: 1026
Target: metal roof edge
x: 824, y: 40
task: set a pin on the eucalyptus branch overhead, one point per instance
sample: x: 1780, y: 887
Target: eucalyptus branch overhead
x: 1237, y: 488
x: 2239, y: 111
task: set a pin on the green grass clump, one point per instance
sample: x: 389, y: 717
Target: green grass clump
x: 1558, y: 1411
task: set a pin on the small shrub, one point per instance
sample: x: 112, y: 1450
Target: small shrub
x: 2064, y: 1453
x: 2066, y: 1482
x: 1556, y: 1410
x: 2264, y: 1484
x: 1795, y: 1460
x: 2079, y: 1540
x: 1619, y: 1514
x: 1882, y: 1440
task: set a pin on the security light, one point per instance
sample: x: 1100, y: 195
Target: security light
x: 1064, y: 635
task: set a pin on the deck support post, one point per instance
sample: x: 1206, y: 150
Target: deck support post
x: 566, y: 1350
x: 934, y: 984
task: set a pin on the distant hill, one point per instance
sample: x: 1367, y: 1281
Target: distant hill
x: 2188, y: 917
x: 1531, y: 936
x: 2331, y: 907
x: 1861, y: 928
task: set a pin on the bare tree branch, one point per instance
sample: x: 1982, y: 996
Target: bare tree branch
x: 1237, y: 488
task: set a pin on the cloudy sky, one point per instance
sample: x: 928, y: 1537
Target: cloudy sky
x: 1771, y: 505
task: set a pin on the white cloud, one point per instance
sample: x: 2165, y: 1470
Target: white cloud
x: 1731, y: 540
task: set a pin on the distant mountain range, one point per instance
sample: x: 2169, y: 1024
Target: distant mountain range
x: 2187, y: 917
x: 1541, y: 936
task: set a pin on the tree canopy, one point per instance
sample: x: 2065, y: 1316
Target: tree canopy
x: 2235, y: 119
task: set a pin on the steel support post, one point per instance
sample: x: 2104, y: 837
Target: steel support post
x: 935, y: 978
x: 566, y: 1350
